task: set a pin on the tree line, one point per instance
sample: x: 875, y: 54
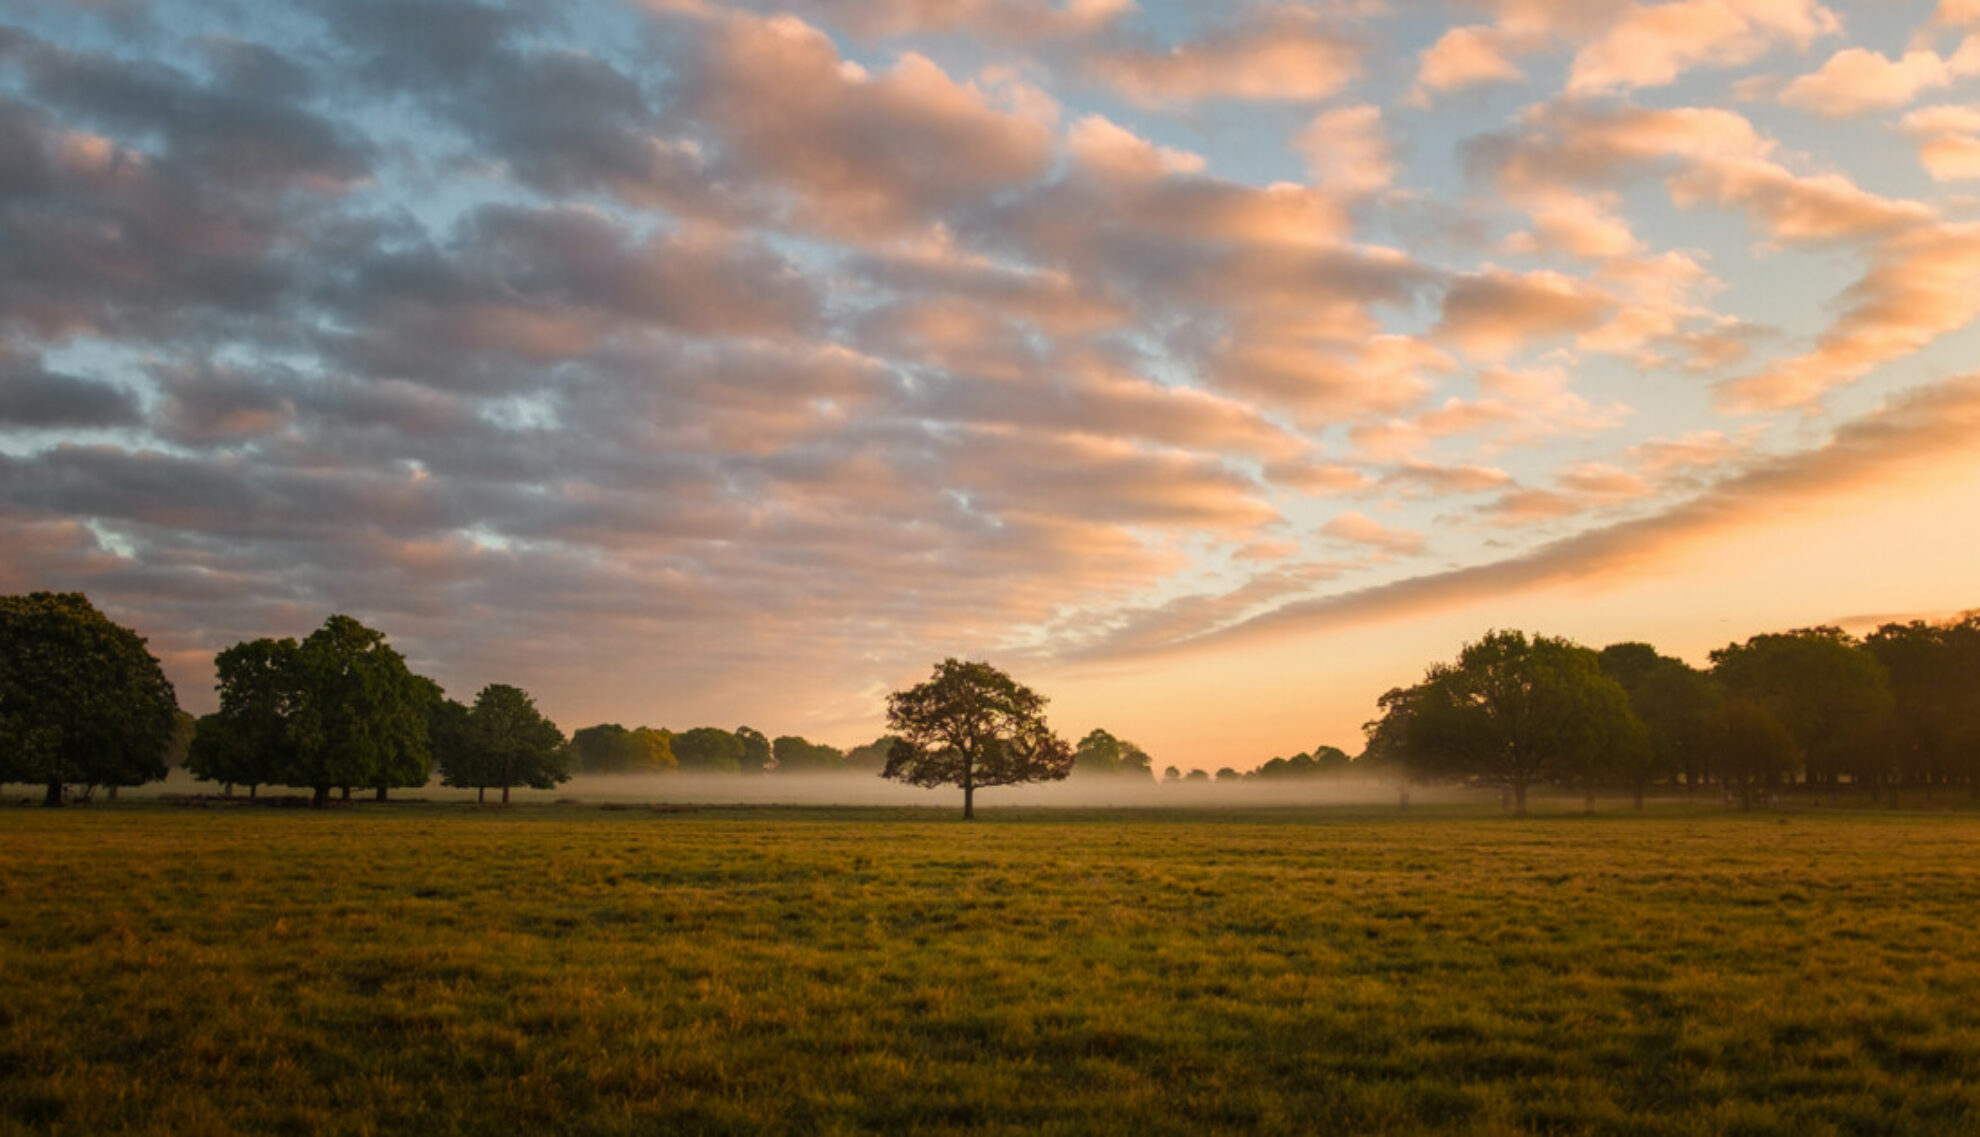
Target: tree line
x: 83, y: 703
x: 1814, y: 710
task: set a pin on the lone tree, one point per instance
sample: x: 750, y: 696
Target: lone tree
x: 503, y: 740
x: 971, y: 725
x: 81, y: 700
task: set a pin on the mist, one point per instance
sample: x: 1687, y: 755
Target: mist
x: 870, y: 790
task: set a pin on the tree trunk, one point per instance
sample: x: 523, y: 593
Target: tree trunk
x: 505, y: 791
x: 322, y: 798
x: 969, y: 802
x: 381, y: 795
x: 53, y: 797
x: 481, y: 795
x: 1639, y: 797
x: 252, y: 789
x: 227, y: 789
x: 110, y: 794
x: 1519, y: 799
x: 347, y: 793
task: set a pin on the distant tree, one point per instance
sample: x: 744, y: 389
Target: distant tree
x: 180, y: 748
x: 1098, y: 753
x: 1226, y: 774
x: 1196, y: 776
x: 1171, y: 774
x: 971, y: 725
x: 1102, y: 753
x: 872, y: 757
x: 796, y: 755
x: 1511, y: 711
x: 1750, y: 746
x: 82, y: 702
x: 505, y: 742
x: 757, y: 751
x: 1934, y: 674
x: 1831, y: 695
x: 1331, y: 761
x: 1135, y: 762
x: 609, y: 748
x: 708, y: 748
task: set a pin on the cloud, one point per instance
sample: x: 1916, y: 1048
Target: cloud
x: 1360, y: 529
x: 1269, y: 54
x: 854, y: 154
x: 1651, y: 44
x: 1921, y: 285
x: 1855, y: 81
x: 34, y: 398
x: 1347, y: 152
x: 1494, y: 312
x: 1911, y: 432
x: 1462, y: 57
x: 1948, y: 141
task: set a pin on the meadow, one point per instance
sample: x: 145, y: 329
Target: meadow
x: 444, y: 969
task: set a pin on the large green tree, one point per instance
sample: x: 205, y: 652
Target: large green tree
x: 1750, y: 747
x: 341, y: 708
x: 82, y: 702
x: 1511, y: 711
x: 971, y: 725
x: 1831, y: 695
x: 504, y: 741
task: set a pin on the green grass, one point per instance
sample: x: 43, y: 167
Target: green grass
x: 449, y: 970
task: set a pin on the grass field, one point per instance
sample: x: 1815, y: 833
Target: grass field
x: 408, y: 969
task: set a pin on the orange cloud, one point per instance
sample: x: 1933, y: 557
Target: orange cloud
x: 1911, y: 433
x: 1650, y: 45
x: 1271, y: 55
x: 1948, y: 141
x: 1920, y: 286
x: 1494, y: 312
x: 1360, y: 529
x: 1854, y: 80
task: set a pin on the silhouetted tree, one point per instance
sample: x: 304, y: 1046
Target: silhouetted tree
x: 1750, y: 746
x: 1102, y: 753
x: 1830, y: 694
x: 1674, y: 701
x: 971, y: 725
x: 1511, y: 711
x: 505, y: 742
x: 1934, y: 674
x: 81, y: 699
x: 1227, y: 774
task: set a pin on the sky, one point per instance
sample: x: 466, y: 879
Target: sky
x: 1210, y: 368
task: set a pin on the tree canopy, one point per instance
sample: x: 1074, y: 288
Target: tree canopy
x: 971, y: 725
x: 1833, y: 697
x: 1510, y: 711
x: 1102, y: 753
x: 82, y: 702
x: 338, y: 709
x: 709, y: 749
x: 504, y: 741
x: 609, y: 748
